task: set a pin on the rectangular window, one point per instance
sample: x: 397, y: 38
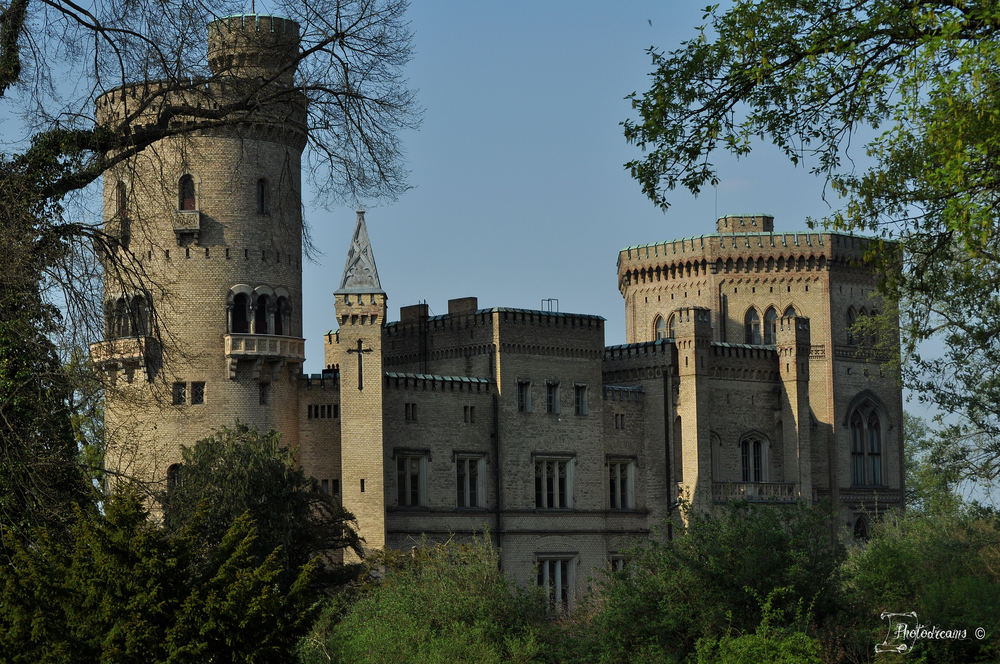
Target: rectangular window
x: 523, y: 396
x: 552, y: 398
x: 619, y: 421
x: 469, y: 414
x: 621, y: 482
x: 325, y: 486
x: 555, y: 580
x: 580, y: 399
x: 197, y: 393
x: 309, y: 412
x: 616, y: 562
x: 336, y: 410
x: 411, y: 480
x: 336, y: 487
x: 180, y: 394
x: 554, y: 483
x: 265, y: 394
x: 410, y: 410
x: 470, y: 485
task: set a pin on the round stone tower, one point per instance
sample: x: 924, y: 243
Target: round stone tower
x: 211, y: 330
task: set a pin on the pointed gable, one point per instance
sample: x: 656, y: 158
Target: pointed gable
x: 360, y: 273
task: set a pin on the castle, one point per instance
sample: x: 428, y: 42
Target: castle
x: 742, y: 378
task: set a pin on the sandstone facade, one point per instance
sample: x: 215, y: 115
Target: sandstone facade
x: 742, y: 377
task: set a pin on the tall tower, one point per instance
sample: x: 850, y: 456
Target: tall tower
x: 360, y: 304
x: 213, y: 334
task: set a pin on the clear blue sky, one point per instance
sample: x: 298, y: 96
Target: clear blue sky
x: 518, y: 189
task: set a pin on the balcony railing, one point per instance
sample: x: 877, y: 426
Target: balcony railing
x: 121, y: 351
x: 265, y: 346
x: 187, y: 225
x: 757, y: 492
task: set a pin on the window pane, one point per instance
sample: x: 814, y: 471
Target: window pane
x: 539, y: 492
x: 401, y: 480
x: 461, y: 483
x: 473, y: 482
x: 550, y: 482
x: 562, y: 484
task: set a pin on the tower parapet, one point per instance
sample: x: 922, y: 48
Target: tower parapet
x: 253, y: 46
x: 745, y: 223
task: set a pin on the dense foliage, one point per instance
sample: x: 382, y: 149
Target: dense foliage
x: 119, y: 588
x: 711, y: 581
x: 443, y: 603
x: 916, y: 83
x: 243, y: 470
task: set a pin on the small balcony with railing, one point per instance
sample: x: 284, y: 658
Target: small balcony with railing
x: 263, y: 349
x: 127, y: 354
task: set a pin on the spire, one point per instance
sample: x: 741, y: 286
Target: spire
x: 360, y: 273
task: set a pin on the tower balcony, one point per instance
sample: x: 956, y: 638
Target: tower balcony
x: 127, y: 353
x: 263, y: 349
x: 755, y: 492
x: 187, y: 226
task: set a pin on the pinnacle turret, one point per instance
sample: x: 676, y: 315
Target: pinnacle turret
x: 360, y: 273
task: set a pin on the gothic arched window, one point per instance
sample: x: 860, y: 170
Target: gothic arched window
x: 753, y: 459
x: 789, y: 312
x: 770, y: 326
x: 660, y: 328
x: 672, y: 326
x: 751, y: 326
x: 185, y: 195
x: 866, y: 445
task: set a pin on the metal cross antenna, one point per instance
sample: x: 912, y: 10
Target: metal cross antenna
x: 360, y: 352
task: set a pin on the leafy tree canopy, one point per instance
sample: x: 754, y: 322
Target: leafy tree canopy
x: 242, y: 470
x: 119, y: 588
x: 442, y: 603
x: 921, y: 77
x: 711, y: 578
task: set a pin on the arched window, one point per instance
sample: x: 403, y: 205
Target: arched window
x: 263, y: 197
x: 185, y: 196
x: 874, y: 449
x: 753, y: 459
x: 852, y: 317
x: 241, y: 314
x: 770, y: 326
x: 861, y: 529
x: 121, y: 214
x: 173, y: 476
x: 660, y: 328
x: 282, y: 316
x: 672, y: 326
x: 122, y: 326
x: 789, y: 312
x: 260, y: 325
x: 751, y: 326
x: 678, y: 442
x: 866, y: 445
x: 140, y: 316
